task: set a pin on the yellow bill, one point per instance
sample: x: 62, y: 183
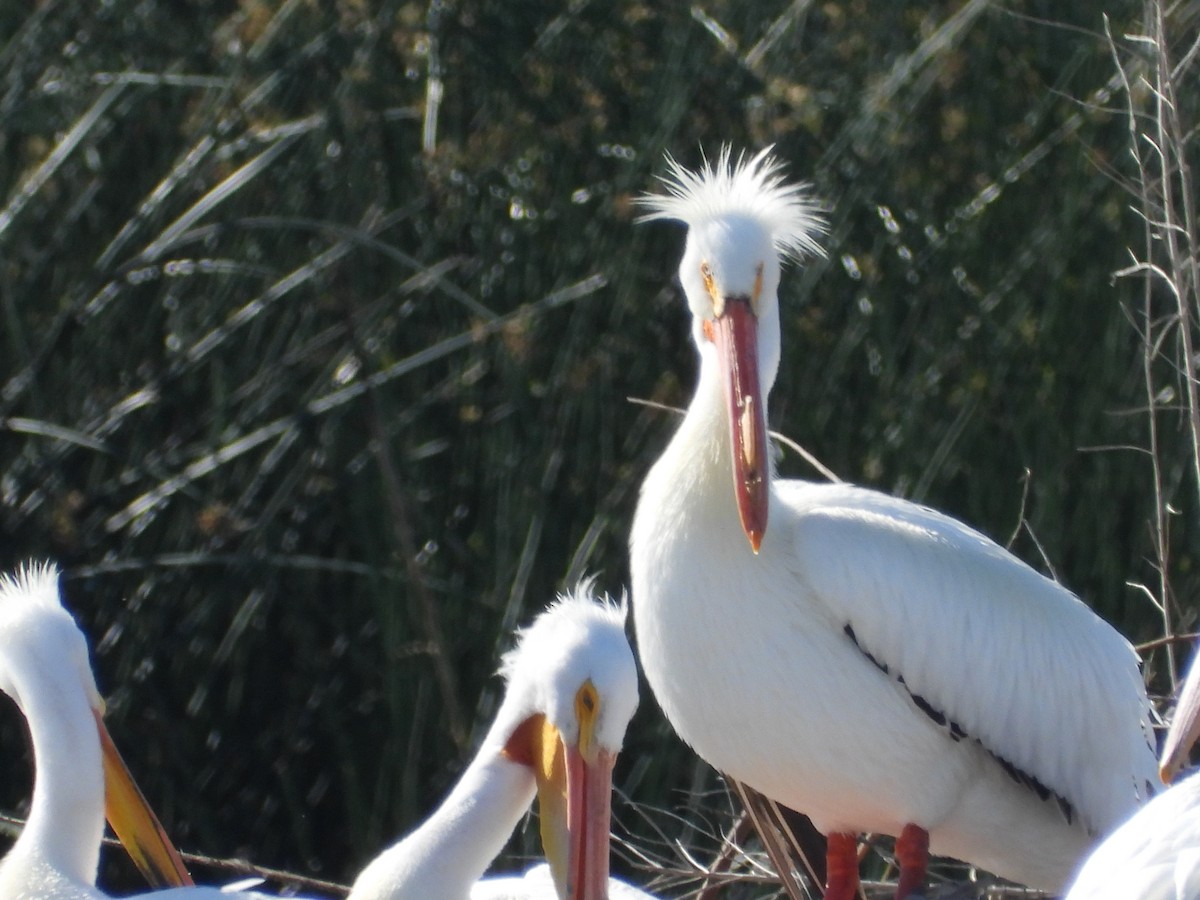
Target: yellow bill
x: 134, y: 821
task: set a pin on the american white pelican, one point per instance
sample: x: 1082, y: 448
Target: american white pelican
x: 865, y: 660
x: 1155, y: 855
x: 44, y: 668
x: 572, y: 689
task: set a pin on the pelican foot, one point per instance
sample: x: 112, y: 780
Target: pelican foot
x: 841, y: 867
x: 912, y: 855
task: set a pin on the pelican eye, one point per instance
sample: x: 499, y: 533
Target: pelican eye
x: 587, y: 712
x: 758, y: 275
x: 710, y: 287
x: 587, y: 701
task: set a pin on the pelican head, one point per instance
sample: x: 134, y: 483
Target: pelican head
x: 572, y: 689
x: 743, y: 219
x: 44, y: 668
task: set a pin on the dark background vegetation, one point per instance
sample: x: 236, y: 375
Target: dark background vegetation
x: 314, y: 375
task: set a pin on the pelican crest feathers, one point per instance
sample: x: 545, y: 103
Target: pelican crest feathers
x: 575, y: 608
x: 753, y: 187
x: 34, y: 582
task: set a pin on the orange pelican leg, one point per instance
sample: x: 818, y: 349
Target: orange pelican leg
x: 841, y: 867
x: 912, y: 854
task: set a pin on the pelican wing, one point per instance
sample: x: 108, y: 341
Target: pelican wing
x: 984, y: 644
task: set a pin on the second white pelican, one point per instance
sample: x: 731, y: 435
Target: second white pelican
x: 44, y: 668
x: 865, y: 660
x: 571, y: 691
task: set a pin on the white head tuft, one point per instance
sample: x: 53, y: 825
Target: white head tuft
x: 576, y: 639
x: 750, y: 188
x: 35, y: 583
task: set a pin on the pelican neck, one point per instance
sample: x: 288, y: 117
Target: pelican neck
x: 66, y: 816
x: 696, y: 468
x: 453, y: 848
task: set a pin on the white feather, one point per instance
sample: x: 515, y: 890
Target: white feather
x: 1015, y: 659
x: 1153, y: 856
x: 754, y: 188
x: 537, y: 882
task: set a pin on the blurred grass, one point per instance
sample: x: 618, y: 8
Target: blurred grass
x: 317, y: 322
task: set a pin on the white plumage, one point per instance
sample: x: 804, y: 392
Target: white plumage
x: 44, y: 668
x: 538, y: 884
x: 1155, y: 855
x: 572, y: 682
x: 865, y: 660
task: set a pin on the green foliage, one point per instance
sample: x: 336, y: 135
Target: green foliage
x: 236, y: 237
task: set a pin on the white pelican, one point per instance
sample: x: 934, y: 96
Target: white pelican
x: 865, y: 660
x: 1155, y: 855
x: 572, y: 689
x: 44, y: 668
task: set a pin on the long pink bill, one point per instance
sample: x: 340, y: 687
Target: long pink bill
x: 736, y: 337
x: 574, y: 805
x: 589, y: 812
